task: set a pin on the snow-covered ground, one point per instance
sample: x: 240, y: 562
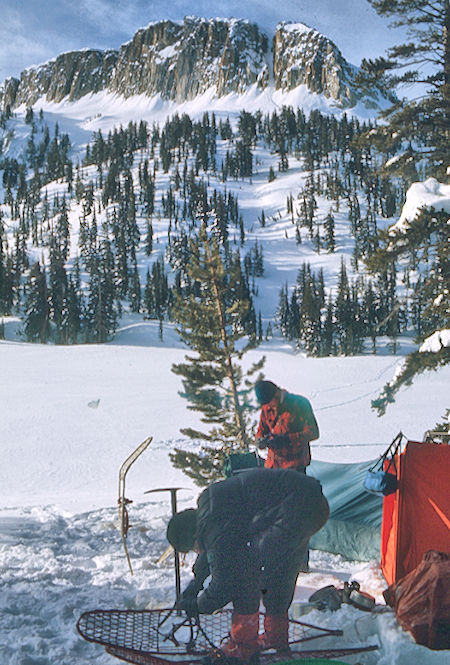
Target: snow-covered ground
x: 70, y: 416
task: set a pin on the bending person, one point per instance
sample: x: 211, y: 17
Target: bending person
x: 251, y: 532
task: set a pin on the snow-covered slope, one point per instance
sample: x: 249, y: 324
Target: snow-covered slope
x: 70, y: 416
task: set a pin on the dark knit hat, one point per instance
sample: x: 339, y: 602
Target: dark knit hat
x: 181, y: 530
x: 265, y: 391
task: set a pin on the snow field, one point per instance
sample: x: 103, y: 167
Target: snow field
x: 61, y: 449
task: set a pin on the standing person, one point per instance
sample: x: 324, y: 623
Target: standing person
x: 251, y: 531
x: 286, y: 426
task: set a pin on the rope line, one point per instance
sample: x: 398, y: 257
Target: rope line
x: 346, y: 445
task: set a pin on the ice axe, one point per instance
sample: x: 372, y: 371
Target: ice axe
x: 173, y: 496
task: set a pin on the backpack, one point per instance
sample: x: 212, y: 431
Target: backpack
x: 421, y: 600
x: 239, y: 462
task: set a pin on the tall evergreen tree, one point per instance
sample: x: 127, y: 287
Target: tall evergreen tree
x: 425, y: 240
x: 58, y: 294
x: 418, y: 127
x: 209, y: 321
x: 3, y: 279
x: 37, y: 310
x: 101, y: 312
x: 330, y: 242
x: 74, y: 306
x: 343, y: 313
x: 310, y: 323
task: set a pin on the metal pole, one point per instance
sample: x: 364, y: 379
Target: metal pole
x: 173, y: 495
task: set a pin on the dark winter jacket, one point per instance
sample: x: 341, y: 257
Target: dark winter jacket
x: 239, y: 520
x: 289, y: 427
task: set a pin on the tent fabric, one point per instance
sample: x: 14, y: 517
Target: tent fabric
x: 417, y: 517
x: 353, y: 530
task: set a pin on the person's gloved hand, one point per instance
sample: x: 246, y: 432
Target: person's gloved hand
x: 278, y: 441
x: 191, y: 591
x: 189, y: 605
x: 262, y: 442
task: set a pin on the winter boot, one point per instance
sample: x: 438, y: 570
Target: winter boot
x: 276, y: 629
x: 243, y: 643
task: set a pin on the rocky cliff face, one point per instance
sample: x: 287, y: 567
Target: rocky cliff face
x: 182, y: 60
x: 302, y: 55
x: 70, y: 75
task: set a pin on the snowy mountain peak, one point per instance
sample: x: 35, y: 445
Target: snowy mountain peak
x: 302, y: 56
x: 179, y: 60
x: 292, y: 26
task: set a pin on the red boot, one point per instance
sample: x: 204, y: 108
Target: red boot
x: 243, y: 642
x: 276, y: 629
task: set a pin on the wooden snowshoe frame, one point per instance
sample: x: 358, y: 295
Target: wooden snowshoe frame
x: 145, y: 637
x: 122, y: 501
x: 265, y: 658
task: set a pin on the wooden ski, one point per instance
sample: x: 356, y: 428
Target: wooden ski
x: 122, y: 501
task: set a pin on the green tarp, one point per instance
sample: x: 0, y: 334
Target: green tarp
x: 354, y: 527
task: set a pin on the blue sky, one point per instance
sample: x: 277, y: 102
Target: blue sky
x: 33, y: 31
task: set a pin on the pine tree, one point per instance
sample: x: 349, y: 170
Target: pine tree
x: 149, y: 304
x: 244, y: 160
x: 101, y: 313
x: 330, y: 242
x: 370, y: 314
x: 149, y: 238
x: 425, y: 239
x: 310, y: 323
x: 63, y: 229
x: 157, y: 295
x: 210, y: 322
x: 36, y: 314
x: 74, y: 306
x: 3, y: 279
x: 343, y: 312
x: 135, y: 291
x: 283, y: 312
x: 57, y: 292
x: 419, y: 127
x: 327, y: 339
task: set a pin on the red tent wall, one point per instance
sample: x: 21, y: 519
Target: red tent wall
x: 417, y: 517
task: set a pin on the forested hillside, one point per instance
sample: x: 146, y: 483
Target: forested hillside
x: 87, y: 236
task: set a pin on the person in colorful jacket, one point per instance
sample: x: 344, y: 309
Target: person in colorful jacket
x: 251, y: 531
x: 286, y: 426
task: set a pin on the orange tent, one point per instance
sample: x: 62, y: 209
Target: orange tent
x: 417, y: 517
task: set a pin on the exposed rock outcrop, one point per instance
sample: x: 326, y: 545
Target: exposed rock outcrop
x: 304, y: 56
x: 71, y: 75
x: 180, y: 60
